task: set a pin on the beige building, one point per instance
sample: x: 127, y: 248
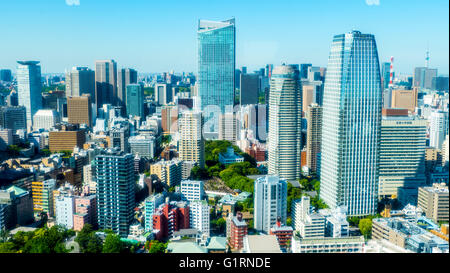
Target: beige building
x: 191, y: 143
x: 66, y: 138
x: 169, y: 172
x: 314, y: 135
x: 406, y: 99
x: 308, y: 97
x: 434, y: 202
x: 228, y: 127
x: 79, y: 110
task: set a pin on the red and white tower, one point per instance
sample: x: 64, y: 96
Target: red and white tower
x: 391, y: 73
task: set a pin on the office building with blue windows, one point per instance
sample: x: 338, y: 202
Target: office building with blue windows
x: 352, y: 105
x: 135, y: 100
x: 29, y: 87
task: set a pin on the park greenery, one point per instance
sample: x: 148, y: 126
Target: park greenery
x: 149, y: 91
x: 43, y: 240
x: 234, y: 175
x: 155, y: 246
x: 53, y: 87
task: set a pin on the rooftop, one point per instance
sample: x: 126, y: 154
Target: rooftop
x: 263, y: 244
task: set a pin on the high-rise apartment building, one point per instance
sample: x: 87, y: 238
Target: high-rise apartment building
x: 313, y: 135
x: 309, y: 224
x: 191, y: 145
x: 105, y: 82
x: 135, y: 100
x: 402, y: 152
x: 352, y: 105
x: 192, y: 190
x: 29, y: 87
x: 228, y: 125
x: 285, y: 112
x: 42, y: 192
x: 79, y: 81
x: 238, y: 230
x: 79, y: 110
x: 168, y: 172
x: 438, y: 128
x: 270, y: 202
x: 125, y: 76
x: 216, y: 67
x: 199, y: 216
x: 64, y: 210
x: 115, y: 191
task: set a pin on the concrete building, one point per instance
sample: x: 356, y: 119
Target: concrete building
x: 169, y: 218
x: 142, y: 145
x: 438, y: 128
x: 42, y: 192
x: 284, y: 235
x: 191, y: 146
x: 85, y: 212
x: 169, y: 119
x: 313, y: 135
x: 270, y: 202
x: 405, y: 99
x: 79, y: 81
x: 228, y: 125
x: 45, y: 119
x: 192, y: 190
x: 402, y: 152
x: 352, y: 106
x: 115, y: 191
x: 261, y: 244
x: 285, y: 111
x: 151, y: 203
x: 29, y: 87
x: 199, y: 216
x: 354, y: 244
x: 237, y: 231
x: 308, y: 224
x: 79, y: 110
x: 64, y: 210
x: 65, y: 137
x: 135, y: 100
x: 13, y: 117
x: 168, y: 172
x: 16, y: 207
x: 434, y: 202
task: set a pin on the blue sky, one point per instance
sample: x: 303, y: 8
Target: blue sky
x: 157, y: 36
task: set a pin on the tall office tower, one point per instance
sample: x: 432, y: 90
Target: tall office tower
x: 199, y: 216
x: 270, y: 202
x: 313, y: 135
x: 79, y: 109
x: 237, y: 78
x: 105, y: 82
x: 244, y: 70
x: 216, y: 64
x: 351, y: 134
x: 311, y: 93
x: 285, y: 112
x: 405, y: 99
x: 163, y: 93
x: 125, y: 77
x: 304, y: 70
x: 135, y: 100
x: 169, y: 119
x: 249, y: 89
x: 228, y: 127
x: 13, y: 99
x: 5, y: 75
x: 79, y: 81
x: 419, y: 76
x: 45, y: 119
x: 119, y: 138
x: 430, y: 73
x: 42, y: 192
x: 440, y: 83
x: 29, y: 87
x: 115, y: 191
x: 402, y: 152
x: 191, y: 144
x: 13, y: 117
x: 269, y: 68
x: 313, y: 73
x: 438, y: 128
x: 385, y: 74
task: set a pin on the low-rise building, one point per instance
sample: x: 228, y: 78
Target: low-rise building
x: 230, y: 157
x: 309, y: 225
x: 237, y: 231
x: 354, y: 244
x: 434, y: 201
x: 261, y: 244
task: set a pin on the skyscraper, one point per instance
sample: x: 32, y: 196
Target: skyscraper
x: 285, y: 112
x: 115, y: 191
x: 249, y: 89
x: 79, y: 81
x: 79, y: 110
x: 351, y: 134
x: 105, y: 82
x: 270, y: 202
x: 135, y: 100
x: 216, y: 67
x: 191, y: 144
x: 29, y: 87
x: 314, y: 135
x: 437, y: 128
x: 125, y: 77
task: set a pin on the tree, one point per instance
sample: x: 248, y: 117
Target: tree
x: 7, y: 247
x: 112, y: 244
x: 87, y: 239
x: 155, y: 246
x: 221, y: 225
x: 365, y: 226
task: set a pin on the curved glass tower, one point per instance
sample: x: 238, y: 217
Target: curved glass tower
x: 352, y: 105
x: 216, y: 67
x: 285, y: 116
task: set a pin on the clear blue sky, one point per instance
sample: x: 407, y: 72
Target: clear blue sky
x: 157, y: 36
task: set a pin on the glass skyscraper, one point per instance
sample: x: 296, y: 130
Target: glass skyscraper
x: 29, y: 87
x: 351, y: 129
x: 285, y: 117
x: 135, y: 100
x: 216, y: 68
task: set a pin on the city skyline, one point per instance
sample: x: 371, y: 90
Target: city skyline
x: 257, y: 39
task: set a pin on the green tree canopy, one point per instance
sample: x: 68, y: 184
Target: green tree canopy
x: 112, y: 244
